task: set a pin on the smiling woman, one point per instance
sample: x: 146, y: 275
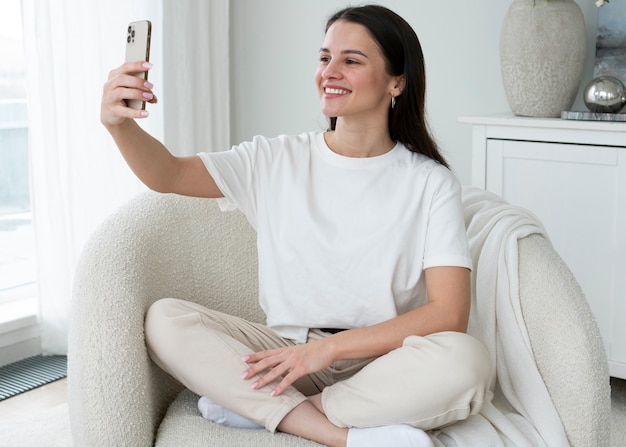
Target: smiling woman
x: 359, y: 229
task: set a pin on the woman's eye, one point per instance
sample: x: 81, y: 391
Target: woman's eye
x: 324, y: 59
x: 351, y: 61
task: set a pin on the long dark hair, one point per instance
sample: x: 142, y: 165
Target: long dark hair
x: 403, y: 56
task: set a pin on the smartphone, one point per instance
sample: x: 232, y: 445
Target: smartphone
x: 138, y: 49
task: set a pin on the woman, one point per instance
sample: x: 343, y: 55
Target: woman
x: 364, y: 270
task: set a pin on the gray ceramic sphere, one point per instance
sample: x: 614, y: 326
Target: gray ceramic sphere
x: 605, y: 94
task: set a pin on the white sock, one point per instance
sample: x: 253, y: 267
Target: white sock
x: 220, y: 415
x: 400, y: 435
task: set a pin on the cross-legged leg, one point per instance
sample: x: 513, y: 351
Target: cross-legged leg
x: 203, y: 349
x: 428, y: 383
x: 308, y: 421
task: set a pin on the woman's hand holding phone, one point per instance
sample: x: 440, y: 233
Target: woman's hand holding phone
x: 127, y: 89
x: 123, y: 84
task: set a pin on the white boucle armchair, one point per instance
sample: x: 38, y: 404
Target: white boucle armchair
x: 161, y: 245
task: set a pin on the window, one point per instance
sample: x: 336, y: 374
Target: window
x: 17, y: 248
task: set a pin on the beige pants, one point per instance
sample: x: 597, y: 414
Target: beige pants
x: 429, y: 382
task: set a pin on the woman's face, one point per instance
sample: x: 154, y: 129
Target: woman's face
x: 351, y: 78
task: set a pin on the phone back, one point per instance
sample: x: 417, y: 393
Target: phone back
x: 138, y: 49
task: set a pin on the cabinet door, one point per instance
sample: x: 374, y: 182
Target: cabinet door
x: 577, y: 192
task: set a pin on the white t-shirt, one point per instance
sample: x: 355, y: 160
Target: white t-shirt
x: 342, y: 242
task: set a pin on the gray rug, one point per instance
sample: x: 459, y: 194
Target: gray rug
x: 51, y: 428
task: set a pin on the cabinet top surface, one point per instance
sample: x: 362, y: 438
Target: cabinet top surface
x: 508, y: 120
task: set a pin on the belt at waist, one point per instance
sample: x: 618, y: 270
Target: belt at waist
x: 331, y: 330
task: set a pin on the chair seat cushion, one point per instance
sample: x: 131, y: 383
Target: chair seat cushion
x: 183, y: 425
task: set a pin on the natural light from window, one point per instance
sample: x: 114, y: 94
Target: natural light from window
x: 17, y: 251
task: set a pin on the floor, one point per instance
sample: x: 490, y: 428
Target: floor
x: 30, y: 403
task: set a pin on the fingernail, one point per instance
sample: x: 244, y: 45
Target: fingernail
x: 147, y: 65
x: 244, y: 375
x: 273, y: 393
x: 245, y: 358
x: 147, y: 95
x: 148, y: 85
x: 255, y: 385
x: 144, y: 113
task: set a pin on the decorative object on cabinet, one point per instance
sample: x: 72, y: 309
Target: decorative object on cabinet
x: 605, y: 94
x: 542, y: 56
x: 572, y: 175
x: 591, y: 116
x: 611, y: 41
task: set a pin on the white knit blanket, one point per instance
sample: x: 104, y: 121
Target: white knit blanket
x: 521, y: 412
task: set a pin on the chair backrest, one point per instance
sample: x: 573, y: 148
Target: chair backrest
x: 220, y: 268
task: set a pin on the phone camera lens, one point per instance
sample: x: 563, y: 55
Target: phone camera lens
x: 133, y: 33
x: 128, y: 39
x: 130, y: 29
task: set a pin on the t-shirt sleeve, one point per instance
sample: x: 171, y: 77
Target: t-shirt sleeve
x: 446, y: 240
x: 234, y: 172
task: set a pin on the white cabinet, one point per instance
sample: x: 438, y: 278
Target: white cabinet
x: 572, y: 175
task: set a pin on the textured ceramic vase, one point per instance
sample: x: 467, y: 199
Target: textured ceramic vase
x: 542, y: 56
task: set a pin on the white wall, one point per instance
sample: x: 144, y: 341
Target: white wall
x: 274, y: 55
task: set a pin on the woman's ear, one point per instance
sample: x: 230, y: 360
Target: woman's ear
x: 398, y: 88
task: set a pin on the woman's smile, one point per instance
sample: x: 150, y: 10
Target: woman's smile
x: 331, y: 91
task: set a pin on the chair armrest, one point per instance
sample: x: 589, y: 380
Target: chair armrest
x: 566, y: 342
x: 156, y: 246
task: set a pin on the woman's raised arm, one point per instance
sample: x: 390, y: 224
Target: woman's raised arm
x: 149, y: 159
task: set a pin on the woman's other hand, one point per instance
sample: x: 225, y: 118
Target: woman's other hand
x: 290, y: 363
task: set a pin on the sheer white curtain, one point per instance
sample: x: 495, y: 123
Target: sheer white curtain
x: 196, y: 80
x: 78, y: 177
